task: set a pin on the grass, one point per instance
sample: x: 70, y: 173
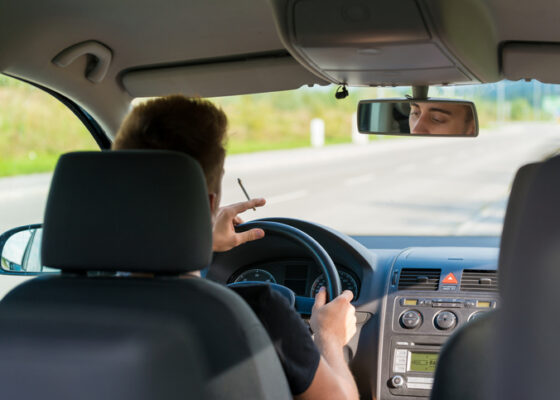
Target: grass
x: 281, y: 120
x: 35, y: 129
x: 21, y: 166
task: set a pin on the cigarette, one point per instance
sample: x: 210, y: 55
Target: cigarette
x: 245, y: 192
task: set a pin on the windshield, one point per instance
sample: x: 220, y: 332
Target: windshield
x: 300, y: 150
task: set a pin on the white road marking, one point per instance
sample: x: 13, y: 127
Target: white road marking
x: 286, y: 197
x: 358, y: 180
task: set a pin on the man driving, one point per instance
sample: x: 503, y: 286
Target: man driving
x: 441, y: 118
x: 315, y: 368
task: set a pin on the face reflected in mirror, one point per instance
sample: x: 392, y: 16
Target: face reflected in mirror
x: 430, y: 117
x: 441, y: 118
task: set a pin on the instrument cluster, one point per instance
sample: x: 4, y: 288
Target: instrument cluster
x: 301, y: 276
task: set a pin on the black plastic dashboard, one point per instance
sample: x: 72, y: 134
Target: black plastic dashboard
x: 392, y: 356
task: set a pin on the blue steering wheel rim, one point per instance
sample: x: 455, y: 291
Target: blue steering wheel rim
x: 317, y: 252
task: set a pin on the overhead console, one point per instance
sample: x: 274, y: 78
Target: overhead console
x: 397, y: 42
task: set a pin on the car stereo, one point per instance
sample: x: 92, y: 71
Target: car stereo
x: 423, y: 307
x: 412, y: 366
x: 419, y: 326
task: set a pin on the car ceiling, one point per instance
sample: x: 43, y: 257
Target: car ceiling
x: 147, y: 35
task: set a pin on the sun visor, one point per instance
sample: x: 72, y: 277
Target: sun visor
x: 265, y: 74
x: 539, y: 61
x: 398, y: 42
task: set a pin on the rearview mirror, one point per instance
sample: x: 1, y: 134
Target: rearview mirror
x: 418, y: 117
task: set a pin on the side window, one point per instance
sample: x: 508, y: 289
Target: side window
x: 35, y: 129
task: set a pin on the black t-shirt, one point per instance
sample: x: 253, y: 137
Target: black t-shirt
x: 289, y: 334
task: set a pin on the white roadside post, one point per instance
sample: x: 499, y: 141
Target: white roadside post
x: 357, y: 137
x: 317, y: 132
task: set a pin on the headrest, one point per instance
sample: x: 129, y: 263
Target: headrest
x: 132, y: 210
x: 516, y: 204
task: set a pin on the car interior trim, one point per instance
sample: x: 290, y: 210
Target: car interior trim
x: 223, y: 78
x: 529, y: 60
x: 89, y: 122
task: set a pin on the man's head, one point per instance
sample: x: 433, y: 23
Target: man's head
x: 441, y: 119
x: 190, y: 125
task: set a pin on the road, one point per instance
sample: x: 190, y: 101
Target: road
x: 408, y: 186
x: 404, y: 186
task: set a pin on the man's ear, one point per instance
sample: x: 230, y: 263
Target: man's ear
x: 213, y: 200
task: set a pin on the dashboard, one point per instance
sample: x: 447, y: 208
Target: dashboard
x: 408, y: 299
x: 300, y: 275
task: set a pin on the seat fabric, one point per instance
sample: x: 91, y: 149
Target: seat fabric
x: 122, y: 356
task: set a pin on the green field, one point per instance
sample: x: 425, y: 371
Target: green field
x: 281, y: 120
x: 35, y: 128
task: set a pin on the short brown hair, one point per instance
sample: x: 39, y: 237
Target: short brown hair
x: 190, y: 125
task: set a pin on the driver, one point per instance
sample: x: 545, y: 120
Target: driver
x: 315, y: 368
x: 441, y: 119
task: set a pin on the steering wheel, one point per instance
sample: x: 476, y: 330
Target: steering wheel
x: 333, y: 286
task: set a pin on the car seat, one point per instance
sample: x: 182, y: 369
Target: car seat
x: 512, y: 352
x: 124, y: 228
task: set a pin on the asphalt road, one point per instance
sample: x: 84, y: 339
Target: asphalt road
x: 408, y: 186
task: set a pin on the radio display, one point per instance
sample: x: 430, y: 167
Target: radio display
x: 423, y: 362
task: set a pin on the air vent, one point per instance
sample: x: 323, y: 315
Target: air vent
x: 475, y: 280
x: 419, y: 279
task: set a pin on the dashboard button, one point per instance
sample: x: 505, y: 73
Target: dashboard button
x: 470, y: 303
x: 445, y: 320
x: 401, y: 352
x: 399, y: 368
x: 411, y: 319
x: 397, y: 381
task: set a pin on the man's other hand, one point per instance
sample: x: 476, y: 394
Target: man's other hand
x: 224, y: 236
x: 335, y: 321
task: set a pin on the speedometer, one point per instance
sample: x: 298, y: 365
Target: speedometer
x: 348, y: 283
x: 255, y: 275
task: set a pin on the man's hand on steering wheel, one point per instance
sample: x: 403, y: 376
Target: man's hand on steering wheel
x: 335, y: 321
x: 224, y: 235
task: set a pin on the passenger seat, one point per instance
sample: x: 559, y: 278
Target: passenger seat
x: 468, y: 364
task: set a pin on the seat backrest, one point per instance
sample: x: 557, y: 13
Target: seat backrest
x: 120, y: 355
x: 240, y: 360
x: 468, y: 361
x: 146, y: 212
x: 515, y: 207
x: 528, y: 347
